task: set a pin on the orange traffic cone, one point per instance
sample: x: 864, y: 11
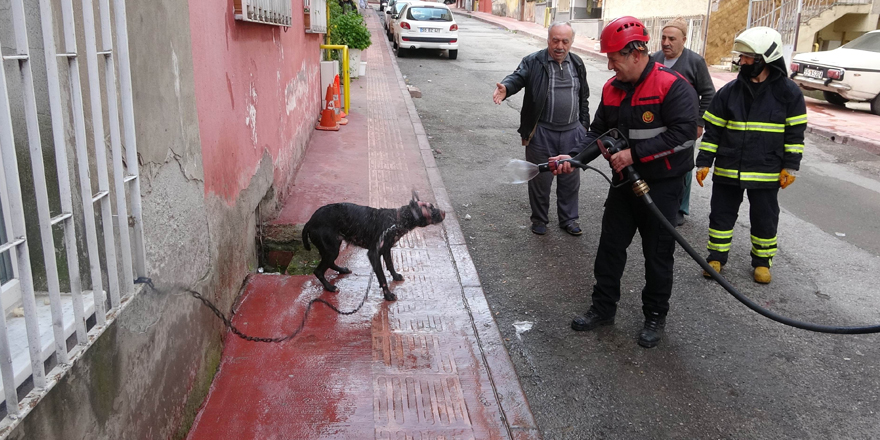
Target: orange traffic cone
x: 328, y: 118
x: 331, y: 99
x: 336, y: 95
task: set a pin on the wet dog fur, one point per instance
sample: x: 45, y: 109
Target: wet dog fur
x: 375, y: 230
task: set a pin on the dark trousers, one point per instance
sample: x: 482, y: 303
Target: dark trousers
x: 548, y: 143
x: 624, y: 214
x: 763, y: 216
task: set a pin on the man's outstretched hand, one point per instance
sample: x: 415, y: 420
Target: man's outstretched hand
x: 500, y: 93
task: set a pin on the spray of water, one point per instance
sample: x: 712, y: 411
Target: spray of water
x: 519, y: 171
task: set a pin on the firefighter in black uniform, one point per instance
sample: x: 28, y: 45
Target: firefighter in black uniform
x: 656, y: 109
x: 755, y: 136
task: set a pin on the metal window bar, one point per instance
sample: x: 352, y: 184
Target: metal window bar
x: 14, y: 228
x: 64, y: 189
x: 82, y: 160
x: 16, y: 205
x: 123, y: 62
x: 13, y: 241
x: 102, y: 196
x: 116, y: 149
x: 6, y: 273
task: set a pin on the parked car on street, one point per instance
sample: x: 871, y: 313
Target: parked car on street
x: 849, y: 73
x: 425, y: 25
x: 391, y: 12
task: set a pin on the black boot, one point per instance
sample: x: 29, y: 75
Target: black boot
x: 651, y: 333
x: 590, y: 320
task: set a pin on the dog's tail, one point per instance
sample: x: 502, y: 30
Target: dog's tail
x: 305, y: 236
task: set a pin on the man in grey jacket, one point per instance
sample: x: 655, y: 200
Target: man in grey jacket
x: 693, y: 68
x: 554, y: 117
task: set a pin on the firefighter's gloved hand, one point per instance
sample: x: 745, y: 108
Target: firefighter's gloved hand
x: 786, y: 177
x: 701, y: 174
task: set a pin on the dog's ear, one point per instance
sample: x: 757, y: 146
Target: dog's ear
x: 415, y: 195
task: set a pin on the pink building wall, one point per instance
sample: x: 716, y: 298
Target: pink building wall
x: 257, y: 90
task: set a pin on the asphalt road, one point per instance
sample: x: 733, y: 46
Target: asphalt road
x: 721, y: 371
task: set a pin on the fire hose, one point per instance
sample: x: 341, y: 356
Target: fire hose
x: 612, y: 142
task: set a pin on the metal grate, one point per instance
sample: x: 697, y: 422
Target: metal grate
x: 786, y: 15
x: 274, y: 12
x: 317, y: 12
x: 122, y: 229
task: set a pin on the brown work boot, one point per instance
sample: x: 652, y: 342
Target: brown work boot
x: 715, y: 265
x: 762, y: 275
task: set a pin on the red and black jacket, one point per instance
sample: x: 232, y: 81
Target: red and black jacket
x: 658, y: 115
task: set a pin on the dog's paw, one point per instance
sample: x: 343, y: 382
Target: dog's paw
x: 397, y: 277
x: 344, y: 270
x: 390, y: 296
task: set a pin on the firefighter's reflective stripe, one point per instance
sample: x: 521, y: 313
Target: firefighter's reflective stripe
x: 708, y: 146
x: 645, y: 133
x: 764, y: 247
x: 758, y: 177
x: 715, y: 119
x: 762, y: 241
x: 756, y: 126
x: 714, y: 233
x: 732, y: 174
x: 794, y: 148
x: 764, y: 253
x: 720, y: 247
x: 719, y: 240
x: 796, y: 120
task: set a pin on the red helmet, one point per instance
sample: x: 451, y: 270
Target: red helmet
x: 621, y: 31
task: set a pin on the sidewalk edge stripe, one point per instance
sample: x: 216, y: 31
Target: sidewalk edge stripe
x: 476, y: 301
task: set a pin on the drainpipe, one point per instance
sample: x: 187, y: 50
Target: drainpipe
x: 706, y: 30
x: 797, y: 28
x: 749, y: 18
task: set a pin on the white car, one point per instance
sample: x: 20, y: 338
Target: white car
x: 426, y: 25
x: 391, y: 10
x: 849, y: 73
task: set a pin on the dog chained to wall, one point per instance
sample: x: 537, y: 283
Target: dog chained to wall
x: 375, y: 229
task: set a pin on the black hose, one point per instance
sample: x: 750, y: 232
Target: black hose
x: 720, y: 279
x: 742, y: 298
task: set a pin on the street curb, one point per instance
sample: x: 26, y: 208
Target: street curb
x: 869, y: 145
x: 516, y: 412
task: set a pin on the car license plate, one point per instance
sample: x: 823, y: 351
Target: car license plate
x: 429, y: 30
x: 813, y: 73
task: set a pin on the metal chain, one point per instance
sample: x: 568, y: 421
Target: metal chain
x: 228, y: 321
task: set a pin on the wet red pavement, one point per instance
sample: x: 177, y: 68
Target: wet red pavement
x: 429, y: 366
x: 853, y: 125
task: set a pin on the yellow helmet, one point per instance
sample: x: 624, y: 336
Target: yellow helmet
x: 760, y: 40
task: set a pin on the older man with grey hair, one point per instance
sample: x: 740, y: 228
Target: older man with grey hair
x: 554, y: 117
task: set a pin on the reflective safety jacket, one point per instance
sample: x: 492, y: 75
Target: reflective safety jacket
x: 658, y: 115
x: 752, y: 144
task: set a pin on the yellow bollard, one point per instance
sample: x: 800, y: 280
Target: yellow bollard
x: 547, y: 16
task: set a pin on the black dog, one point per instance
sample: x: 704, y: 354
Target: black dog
x: 376, y: 230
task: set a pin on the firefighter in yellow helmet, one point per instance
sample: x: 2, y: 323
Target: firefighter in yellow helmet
x: 755, y: 138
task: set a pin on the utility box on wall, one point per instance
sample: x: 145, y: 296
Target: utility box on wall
x: 329, y: 70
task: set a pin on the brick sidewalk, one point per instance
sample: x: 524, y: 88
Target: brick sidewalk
x: 430, y: 365
x: 847, y: 126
